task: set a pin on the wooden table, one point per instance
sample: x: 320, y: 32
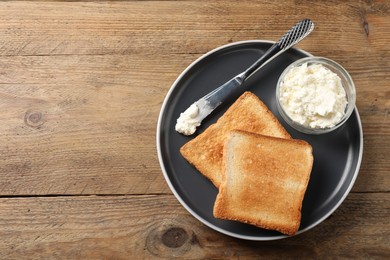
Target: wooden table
x: 81, y: 86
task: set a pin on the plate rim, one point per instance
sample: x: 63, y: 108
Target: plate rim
x: 188, y: 208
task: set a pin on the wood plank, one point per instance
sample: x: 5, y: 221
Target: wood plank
x: 157, y: 226
x: 185, y: 27
x: 87, y: 129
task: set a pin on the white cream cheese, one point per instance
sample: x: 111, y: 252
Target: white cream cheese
x: 188, y: 121
x: 313, y: 96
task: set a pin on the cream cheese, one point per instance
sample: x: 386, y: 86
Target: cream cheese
x: 313, y: 96
x: 188, y: 121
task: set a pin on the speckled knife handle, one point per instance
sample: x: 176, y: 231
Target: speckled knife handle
x: 297, y: 33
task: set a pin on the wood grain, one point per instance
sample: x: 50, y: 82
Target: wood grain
x: 96, y: 124
x: 81, y: 86
x: 149, y: 226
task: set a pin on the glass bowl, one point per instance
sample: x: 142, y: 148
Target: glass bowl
x: 300, y: 116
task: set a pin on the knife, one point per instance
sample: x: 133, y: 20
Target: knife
x: 192, y: 117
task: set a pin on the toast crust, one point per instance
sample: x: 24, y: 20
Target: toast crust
x: 247, y: 113
x: 264, y: 182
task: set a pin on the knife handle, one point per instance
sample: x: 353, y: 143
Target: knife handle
x: 297, y: 33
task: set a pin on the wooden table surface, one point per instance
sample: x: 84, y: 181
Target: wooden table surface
x: 81, y: 87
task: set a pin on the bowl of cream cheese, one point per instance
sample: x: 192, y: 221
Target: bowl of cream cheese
x: 315, y: 95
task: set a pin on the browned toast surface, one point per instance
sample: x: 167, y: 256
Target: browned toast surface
x: 265, y: 181
x: 247, y: 113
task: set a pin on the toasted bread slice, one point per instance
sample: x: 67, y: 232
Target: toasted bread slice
x: 247, y: 113
x: 265, y: 181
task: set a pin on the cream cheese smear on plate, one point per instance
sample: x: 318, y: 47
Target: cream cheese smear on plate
x: 188, y: 120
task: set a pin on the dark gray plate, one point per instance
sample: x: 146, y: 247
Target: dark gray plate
x: 337, y: 155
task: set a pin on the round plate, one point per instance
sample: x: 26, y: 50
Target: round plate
x: 337, y: 155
